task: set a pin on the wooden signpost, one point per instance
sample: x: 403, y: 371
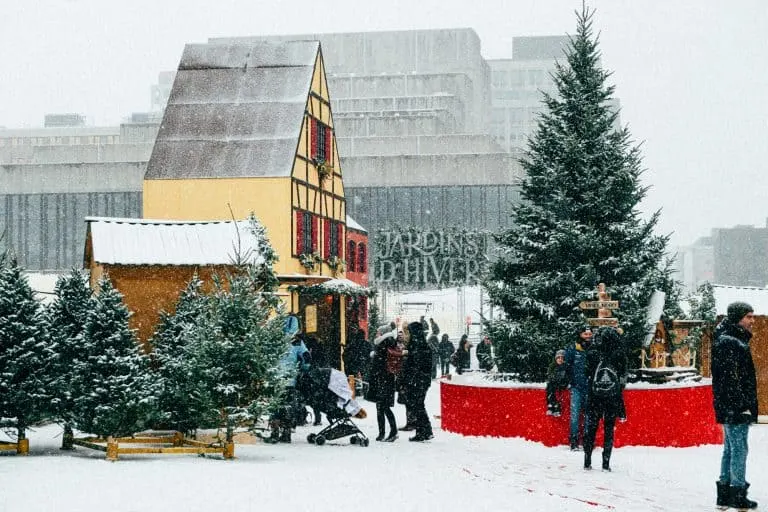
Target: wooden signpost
x: 604, y: 305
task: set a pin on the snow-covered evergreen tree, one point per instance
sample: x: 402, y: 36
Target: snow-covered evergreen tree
x: 577, y: 223
x: 113, y: 390
x: 66, y: 317
x: 224, y: 349
x: 24, y: 351
x: 183, y: 404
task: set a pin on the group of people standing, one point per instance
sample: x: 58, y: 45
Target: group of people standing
x: 594, y: 368
x: 402, y: 364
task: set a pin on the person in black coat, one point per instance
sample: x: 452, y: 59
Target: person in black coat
x: 484, y: 353
x: 607, y: 372
x: 461, y: 359
x: 382, y: 385
x: 557, y: 380
x: 417, y: 377
x: 357, y: 355
x: 317, y: 356
x: 734, y: 390
x: 445, y: 349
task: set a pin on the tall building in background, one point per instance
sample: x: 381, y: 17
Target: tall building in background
x: 694, y: 264
x: 161, y: 91
x: 740, y: 256
x: 517, y: 85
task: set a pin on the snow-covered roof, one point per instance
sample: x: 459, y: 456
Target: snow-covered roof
x: 352, y: 224
x: 235, y: 110
x: 756, y: 297
x: 164, y: 242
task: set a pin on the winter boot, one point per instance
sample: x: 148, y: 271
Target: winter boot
x: 285, y: 435
x: 587, y: 460
x: 723, y: 490
x: 739, y: 499
x: 274, y: 435
x: 606, y: 463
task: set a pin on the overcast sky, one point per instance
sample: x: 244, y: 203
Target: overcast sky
x: 690, y: 74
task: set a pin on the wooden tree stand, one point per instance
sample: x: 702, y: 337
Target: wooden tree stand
x: 21, y: 447
x: 172, y: 444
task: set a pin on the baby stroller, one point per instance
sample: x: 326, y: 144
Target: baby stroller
x: 327, y: 390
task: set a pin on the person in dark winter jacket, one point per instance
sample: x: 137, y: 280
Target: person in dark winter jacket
x: 445, y: 350
x: 557, y: 381
x: 385, y: 366
x: 484, y: 353
x: 576, y: 365
x: 607, y: 372
x: 417, y: 377
x: 461, y: 358
x: 357, y: 355
x: 434, y: 345
x: 734, y: 389
x: 434, y: 327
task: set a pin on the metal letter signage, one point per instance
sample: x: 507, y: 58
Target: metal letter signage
x: 424, y: 257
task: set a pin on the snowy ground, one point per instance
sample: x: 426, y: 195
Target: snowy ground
x: 450, y: 473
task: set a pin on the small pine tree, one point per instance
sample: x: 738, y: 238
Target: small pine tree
x: 114, y: 392
x: 182, y: 403
x: 66, y: 317
x: 25, y: 353
x: 224, y: 349
x: 577, y: 224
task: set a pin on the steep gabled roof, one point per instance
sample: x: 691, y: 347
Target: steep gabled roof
x: 235, y: 110
x: 123, y: 241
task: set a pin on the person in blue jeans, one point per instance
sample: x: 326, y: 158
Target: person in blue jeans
x: 734, y: 389
x: 575, y: 362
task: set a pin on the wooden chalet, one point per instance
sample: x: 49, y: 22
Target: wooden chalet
x: 248, y: 128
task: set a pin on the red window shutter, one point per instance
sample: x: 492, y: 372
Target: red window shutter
x: 299, y: 232
x: 313, y: 136
x: 328, y: 150
x: 327, y: 239
x: 339, y: 239
x: 315, y: 229
x: 351, y: 255
x: 361, y: 258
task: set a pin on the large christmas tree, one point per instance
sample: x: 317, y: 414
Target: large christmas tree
x: 578, y: 222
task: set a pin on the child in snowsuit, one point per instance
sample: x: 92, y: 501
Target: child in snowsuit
x: 557, y: 381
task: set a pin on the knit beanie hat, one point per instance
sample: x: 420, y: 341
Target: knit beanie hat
x: 738, y: 310
x: 560, y: 353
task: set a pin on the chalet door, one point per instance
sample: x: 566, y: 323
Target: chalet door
x: 321, y: 318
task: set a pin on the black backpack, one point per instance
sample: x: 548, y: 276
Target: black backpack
x: 606, y: 383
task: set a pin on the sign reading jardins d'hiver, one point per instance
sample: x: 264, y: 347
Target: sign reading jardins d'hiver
x: 426, y: 257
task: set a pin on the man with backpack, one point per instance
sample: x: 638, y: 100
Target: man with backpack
x: 607, y: 372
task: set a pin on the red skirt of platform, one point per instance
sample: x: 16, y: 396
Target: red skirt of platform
x: 662, y: 416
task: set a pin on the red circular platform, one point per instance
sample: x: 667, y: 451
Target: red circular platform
x: 663, y: 415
